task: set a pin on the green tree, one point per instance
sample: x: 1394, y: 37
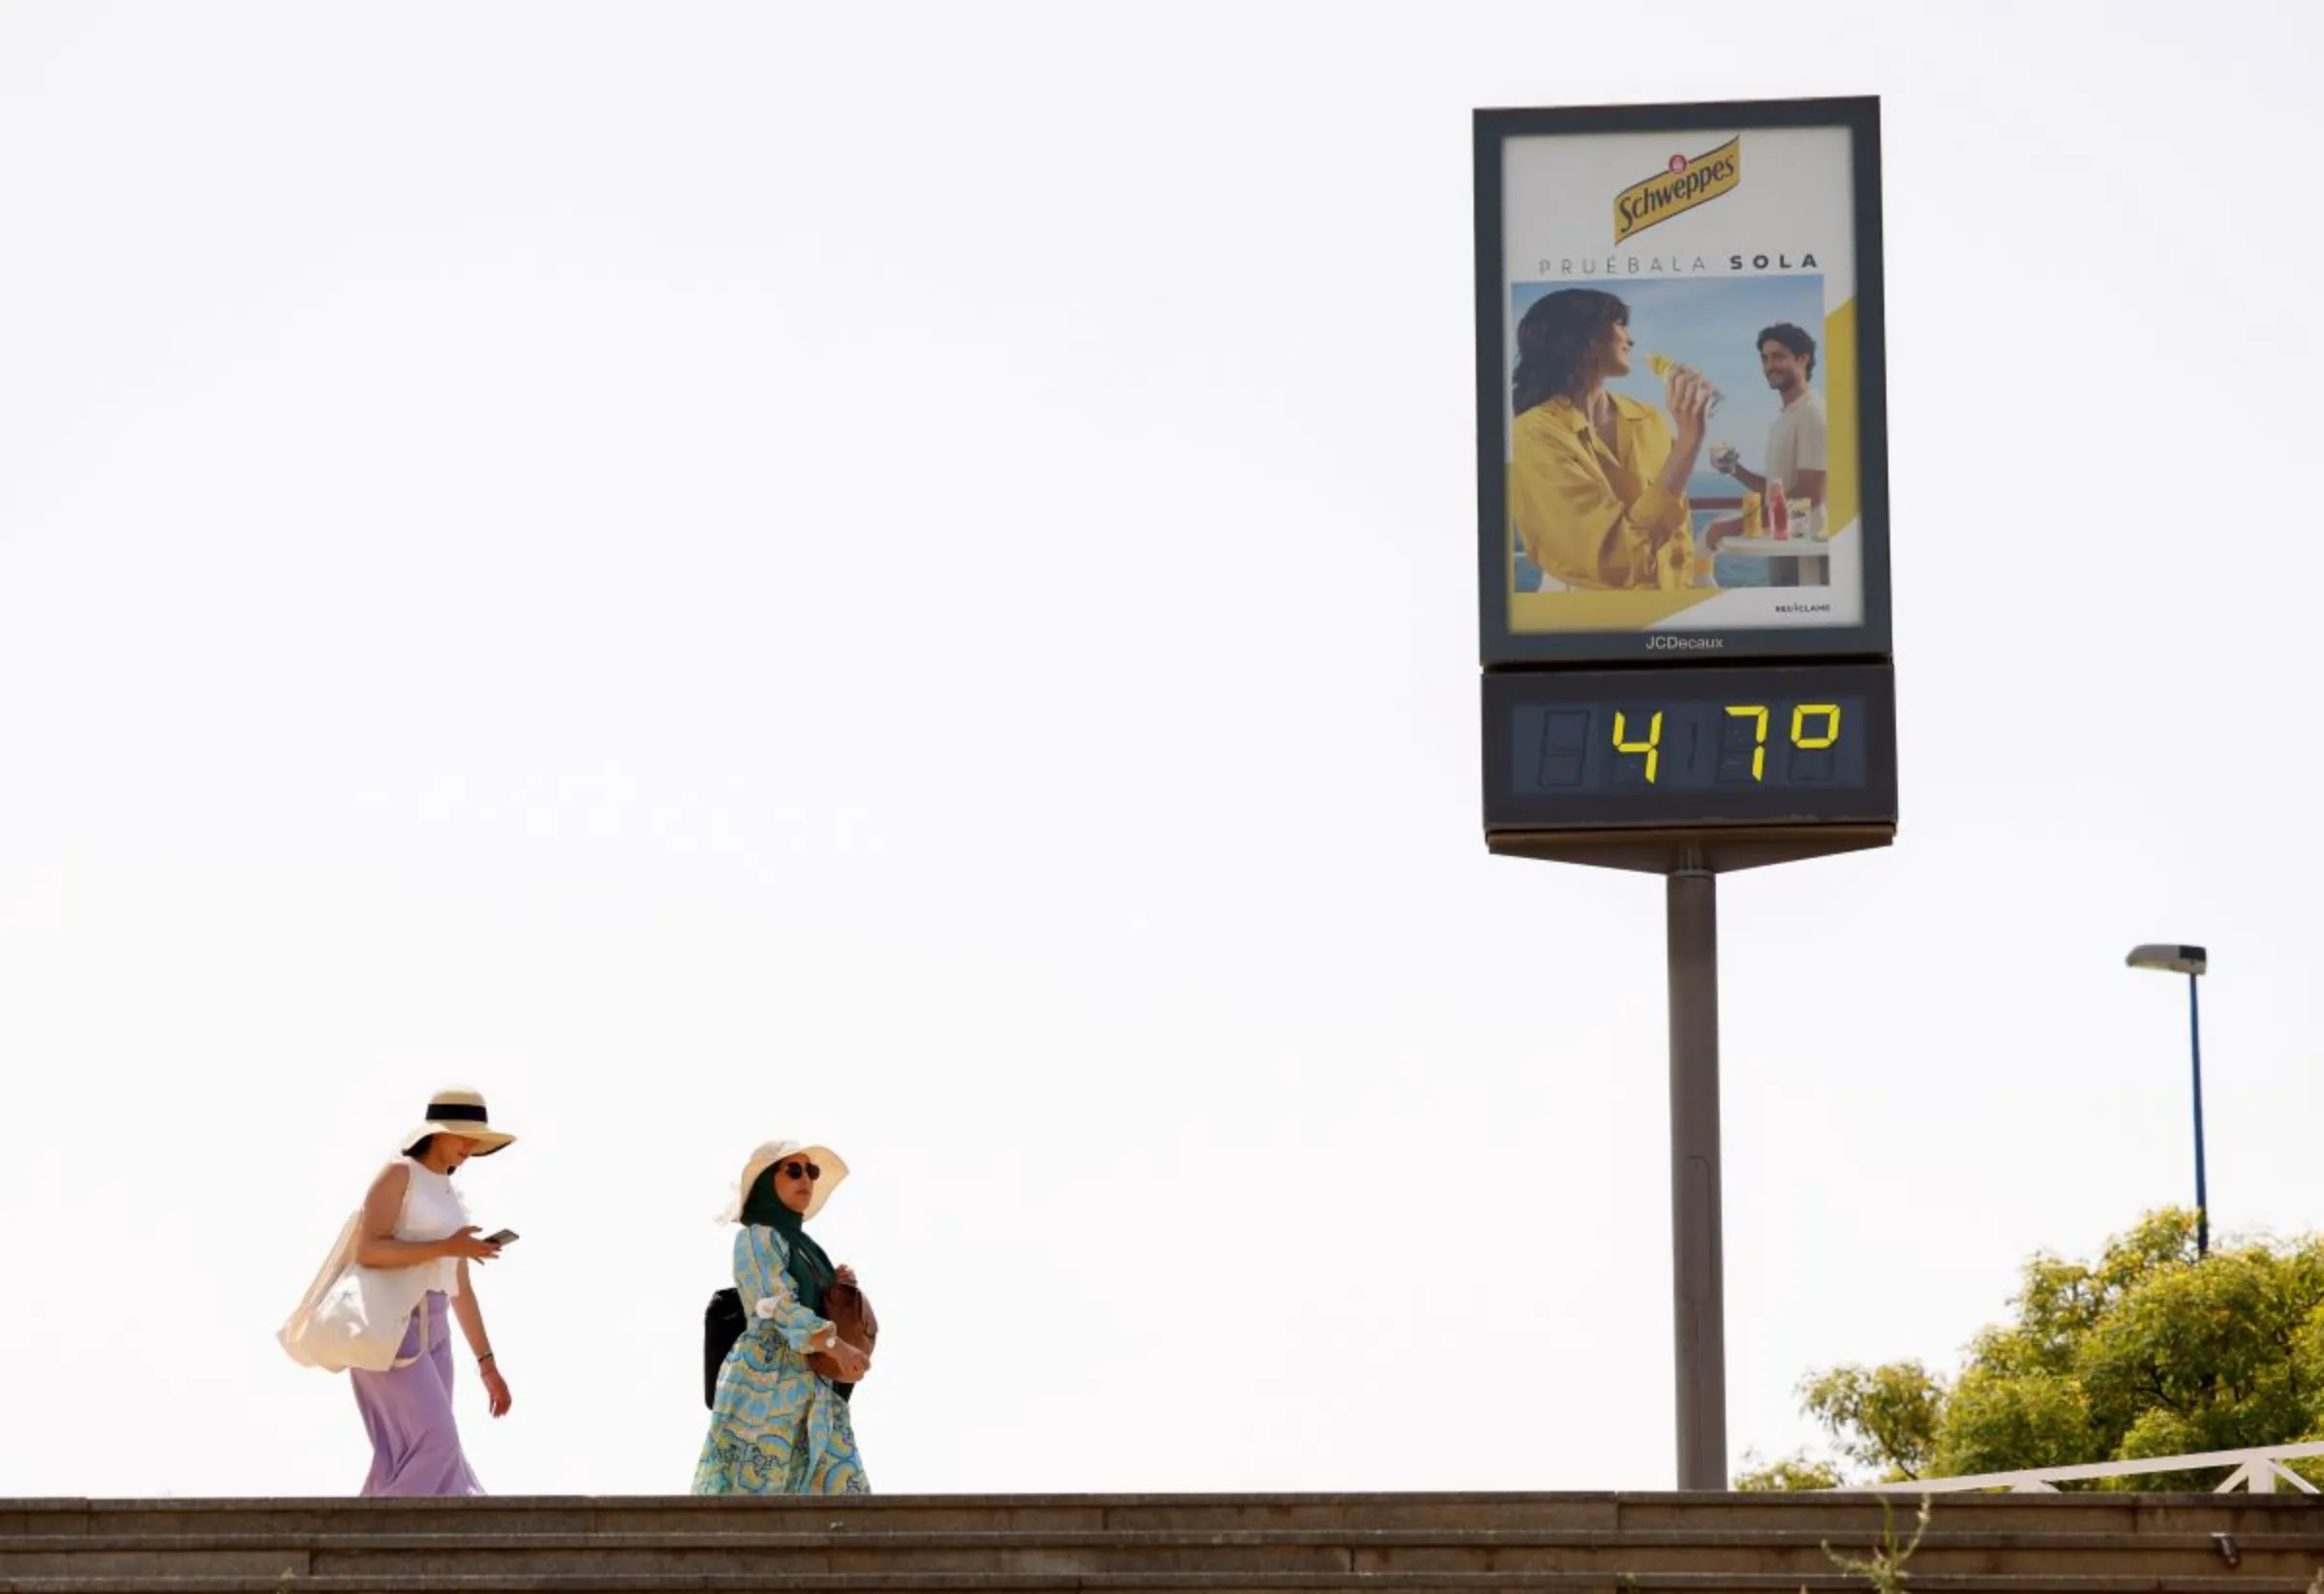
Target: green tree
x: 1788, y: 1473
x: 1882, y: 1418
x: 2147, y: 1351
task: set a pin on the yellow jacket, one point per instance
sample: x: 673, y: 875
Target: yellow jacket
x: 1592, y: 519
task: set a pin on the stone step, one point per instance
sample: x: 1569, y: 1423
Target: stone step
x: 2087, y: 1543
x: 1314, y: 1553
x: 1851, y: 1514
x: 1643, y: 1582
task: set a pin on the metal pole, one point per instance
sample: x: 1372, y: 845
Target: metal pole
x: 1698, y: 1264
x: 2194, y: 1035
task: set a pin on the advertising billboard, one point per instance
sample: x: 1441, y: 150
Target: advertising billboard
x: 1682, y: 427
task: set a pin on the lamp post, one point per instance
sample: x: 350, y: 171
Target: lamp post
x: 2193, y: 961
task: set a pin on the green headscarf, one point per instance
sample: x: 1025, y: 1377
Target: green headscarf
x: 810, y: 1268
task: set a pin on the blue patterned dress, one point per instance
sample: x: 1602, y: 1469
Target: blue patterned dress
x: 775, y: 1425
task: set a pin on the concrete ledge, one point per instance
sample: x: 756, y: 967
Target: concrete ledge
x: 1148, y: 1583
x: 2071, y: 1544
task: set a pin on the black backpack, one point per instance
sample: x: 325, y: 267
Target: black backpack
x: 721, y: 1327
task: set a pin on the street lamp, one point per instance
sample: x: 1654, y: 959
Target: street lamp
x: 2192, y: 962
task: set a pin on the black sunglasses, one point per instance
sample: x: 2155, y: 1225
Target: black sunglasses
x: 808, y: 1170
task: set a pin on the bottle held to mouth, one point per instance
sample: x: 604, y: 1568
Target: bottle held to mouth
x: 1661, y: 365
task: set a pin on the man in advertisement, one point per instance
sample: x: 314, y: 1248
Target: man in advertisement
x: 1795, y: 443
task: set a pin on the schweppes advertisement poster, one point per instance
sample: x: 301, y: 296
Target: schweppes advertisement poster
x: 1679, y: 396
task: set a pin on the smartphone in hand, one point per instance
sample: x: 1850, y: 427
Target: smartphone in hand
x: 501, y: 1238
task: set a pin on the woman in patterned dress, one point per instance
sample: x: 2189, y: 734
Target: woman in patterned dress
x: 777, y: 1425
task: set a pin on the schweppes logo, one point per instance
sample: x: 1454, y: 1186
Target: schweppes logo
x: 1685, y: 185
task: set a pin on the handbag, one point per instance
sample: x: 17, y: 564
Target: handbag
x: 353, y: 1316
x: 850, y: 1312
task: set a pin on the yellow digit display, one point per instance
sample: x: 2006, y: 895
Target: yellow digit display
x: 1649, y: 747
x: 1831, y: 724
x: 1758, y: 713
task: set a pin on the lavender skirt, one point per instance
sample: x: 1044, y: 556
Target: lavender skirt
x: 414, y: 1442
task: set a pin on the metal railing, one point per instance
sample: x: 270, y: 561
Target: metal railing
x: 2257, y: 1471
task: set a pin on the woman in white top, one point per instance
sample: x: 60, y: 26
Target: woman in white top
x: 414, y: 1219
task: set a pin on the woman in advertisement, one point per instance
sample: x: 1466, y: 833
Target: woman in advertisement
x: 1599, y: 479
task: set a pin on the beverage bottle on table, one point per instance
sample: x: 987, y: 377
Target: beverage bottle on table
x: 1779, y: 513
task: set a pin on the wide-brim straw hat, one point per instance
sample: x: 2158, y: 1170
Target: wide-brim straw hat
x: 456, y: 1110
x: 834, y: 1166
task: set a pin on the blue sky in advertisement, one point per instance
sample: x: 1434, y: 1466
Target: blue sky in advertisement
x: 1711, y: 323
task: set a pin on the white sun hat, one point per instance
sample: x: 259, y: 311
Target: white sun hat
x: 834, y: 1169
x: 458, y: 1110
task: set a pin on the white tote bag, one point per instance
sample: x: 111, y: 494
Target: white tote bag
x: 353, y: 1316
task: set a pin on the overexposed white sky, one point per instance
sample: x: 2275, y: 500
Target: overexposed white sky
x: 903, y: 575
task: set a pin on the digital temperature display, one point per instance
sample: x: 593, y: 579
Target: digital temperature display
x: 1593, y: 746
x: 1812, y: 744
